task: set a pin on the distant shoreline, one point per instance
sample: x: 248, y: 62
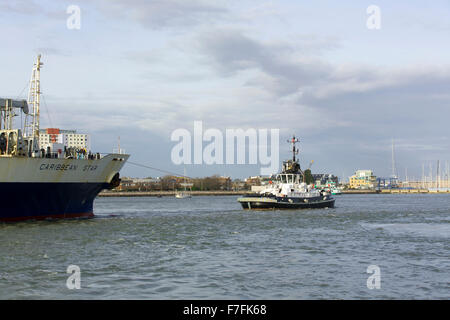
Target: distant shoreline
x: 168, y: 193
x: 239, y: 193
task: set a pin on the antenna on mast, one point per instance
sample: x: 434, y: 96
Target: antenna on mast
x: 294, y: 149
x: 118, y: 150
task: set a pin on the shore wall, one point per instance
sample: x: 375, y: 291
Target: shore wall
x: 168, y: 193
x: 396, y: 191
x: 238, y: 193
x: 360, y: 192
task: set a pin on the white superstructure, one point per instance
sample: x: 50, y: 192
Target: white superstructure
x: 67, y: 138
x: 290, y: 185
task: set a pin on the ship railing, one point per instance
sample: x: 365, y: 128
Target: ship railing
x: 60, y: 154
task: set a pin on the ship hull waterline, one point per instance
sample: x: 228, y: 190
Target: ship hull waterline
x: 41, y: 188
x: 39, y: 201
x: 272, y: 204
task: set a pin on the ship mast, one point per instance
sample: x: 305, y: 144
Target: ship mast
x: 31, y: 126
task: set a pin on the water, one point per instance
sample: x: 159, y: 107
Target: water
x: 208, y: 248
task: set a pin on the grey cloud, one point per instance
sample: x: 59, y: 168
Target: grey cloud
x: 48, y: 51
x: 301, y: 79
x: 21, y: 6
x: 157, y: 14
x: 34, y: 8
x: 345, y: 109
x: 230, y: 51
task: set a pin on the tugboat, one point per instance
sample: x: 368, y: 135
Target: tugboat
x: 288, y: 190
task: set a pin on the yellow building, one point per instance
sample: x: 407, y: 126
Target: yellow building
x: 363, y: 179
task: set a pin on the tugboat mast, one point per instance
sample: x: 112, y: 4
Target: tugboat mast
x: 292, y: 166
x: 294, y: 149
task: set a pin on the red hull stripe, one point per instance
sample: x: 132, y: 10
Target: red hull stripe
x: 53, y: 216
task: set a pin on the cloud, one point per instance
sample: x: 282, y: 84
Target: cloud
x: 281, y: 84
x: 295, y: 69
x: 286, y: 67
x: 35, y: 9
x: 28, y: 7
x: 158, y: 14
x: 48, y: 51
x: 346, y: 107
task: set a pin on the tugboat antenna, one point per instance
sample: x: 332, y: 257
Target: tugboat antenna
x: 294, y: 149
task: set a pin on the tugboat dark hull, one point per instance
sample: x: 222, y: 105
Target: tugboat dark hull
x: 255, y: 203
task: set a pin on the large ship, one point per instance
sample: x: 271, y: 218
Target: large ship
x: 288, y: 190
x: 56, y: 182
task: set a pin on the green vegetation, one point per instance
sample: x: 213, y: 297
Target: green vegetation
x: 308, y: 176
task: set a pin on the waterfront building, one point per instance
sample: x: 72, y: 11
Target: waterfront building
x: 238, y: 184
x: 56, y: 139
x: 363, y: 179
x: 258, y: 180
x: 253, y: 181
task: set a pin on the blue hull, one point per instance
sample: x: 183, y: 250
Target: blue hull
x: 37, y: 201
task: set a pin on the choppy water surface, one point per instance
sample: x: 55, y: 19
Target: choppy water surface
x: 208, y: 248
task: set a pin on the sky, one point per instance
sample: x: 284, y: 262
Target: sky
x: 141, y: 69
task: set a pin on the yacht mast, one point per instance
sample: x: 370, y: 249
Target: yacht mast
x: 438, y: 175
x: 394, y: 171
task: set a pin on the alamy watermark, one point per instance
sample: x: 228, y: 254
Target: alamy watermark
x: 374, y: 281
x: 74, y: 280
x: 221, y: 147
x: 374, y: 20
x: 73, y: 22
